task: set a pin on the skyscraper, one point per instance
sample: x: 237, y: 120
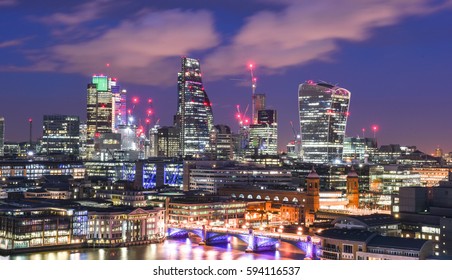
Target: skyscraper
x: 263, y: 138
x: 61, y: 135
x: 221, y: 142
x: 323, y: 112
x: 2, y: 136
x: 194, y: 117
x: 100, y: 111
x: 258, y: 105
x: 99, y: 107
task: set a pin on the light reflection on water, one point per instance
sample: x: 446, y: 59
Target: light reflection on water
x: 188, y: 249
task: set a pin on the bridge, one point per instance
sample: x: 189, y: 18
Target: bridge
x: 257, y: 241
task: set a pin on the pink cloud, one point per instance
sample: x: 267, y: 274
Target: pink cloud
x: 8, y: 2
x: 138, y: 50
x: 11, y: 43
x: 309, y: 30
x: 80, y: 14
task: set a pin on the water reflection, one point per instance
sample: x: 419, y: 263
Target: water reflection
x: 185, y: 249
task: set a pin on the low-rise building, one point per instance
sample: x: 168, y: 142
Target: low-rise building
x: 356, y: 244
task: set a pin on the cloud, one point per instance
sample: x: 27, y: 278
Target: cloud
x: 82, y: 13
x: 138, y: 50
x: 11, y: 43
x: 4, y: 3
x: 309, y: 30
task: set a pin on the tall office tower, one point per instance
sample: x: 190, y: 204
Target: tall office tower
x: 263, y: 137
x: 83, y: 140
x: 61, y: 135
x: 194, y: 117
x: 323, y: 112
x: 168, y: 141
x: 2, y: 136
x: 100, y: 111
x: 119, y: 103
x: 154, y: 140
x: 221, y: 142
x: 258, y: 105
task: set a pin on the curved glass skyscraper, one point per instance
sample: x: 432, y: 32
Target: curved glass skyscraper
x: 194, y: 117
x: 323, y: 112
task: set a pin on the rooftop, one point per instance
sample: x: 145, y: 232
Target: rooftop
x: 347, y: 234
x: 397, y: 242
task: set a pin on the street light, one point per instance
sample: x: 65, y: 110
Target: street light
x: 299, y: 232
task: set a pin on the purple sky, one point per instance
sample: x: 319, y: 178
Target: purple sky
x: 395, y: 56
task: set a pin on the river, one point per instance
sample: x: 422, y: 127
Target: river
x: 187, y: 249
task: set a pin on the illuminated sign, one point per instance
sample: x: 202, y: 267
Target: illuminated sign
x: 101, y: 82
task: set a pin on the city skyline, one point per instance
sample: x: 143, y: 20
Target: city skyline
x: 390, y: 61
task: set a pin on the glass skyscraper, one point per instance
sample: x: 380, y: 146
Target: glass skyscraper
x: 61, y: 134
x: 194, y: 117
x: 323, y: 112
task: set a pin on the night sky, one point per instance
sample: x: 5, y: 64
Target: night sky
x: 395, y: 56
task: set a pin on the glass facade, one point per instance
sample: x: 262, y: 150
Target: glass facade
x: 323, y: 112
x: 61, y: 135
x: 194, y: 114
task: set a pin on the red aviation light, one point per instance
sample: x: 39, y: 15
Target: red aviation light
x: 375, y: 127
x: 148, y: 121
x: 129, y: 111
x: 108, y: 64
x: 238, y: 116
x: 149, y: 112
x: 150, y: 100
x: 251, y: 66
x: 247, y: 121
x: 135, y: 100
x: 30, y: 119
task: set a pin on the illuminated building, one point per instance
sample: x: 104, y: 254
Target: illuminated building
x: 358, y: 149
x: 221, y: 142
x: 100, y: 111
x: 194, y: 112
x: 168, y: 143
x: 432, y: 175
x: 2, y: 136
x: 263, y: 136
x: 153, y: 141
x: 353, y: 189
x: 153, y: 173
x: 241, y: 142
x: 83, y: 140
x: 258, y: 105
x: 206, y: 210
x: 61, y: 135
x: 124, y: 226
x: 213, y: 175
x: 389, y: 179
x: 323, y: 110
x: 438, y: 152
x: 427, y: 213
x: 312, y: 204
x: 37, y: 169
x: 120, y: 103
x: 22, y: 228
x: 358, y: 244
